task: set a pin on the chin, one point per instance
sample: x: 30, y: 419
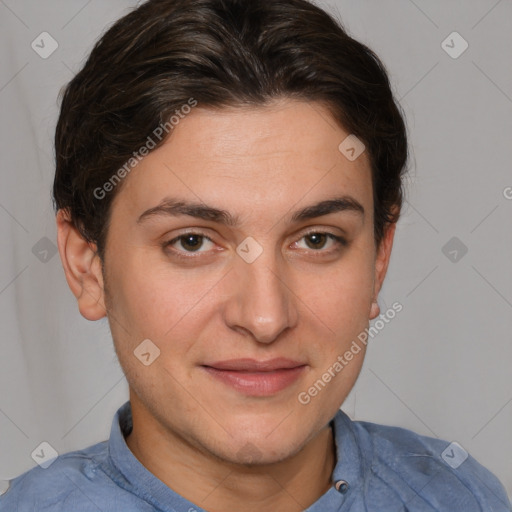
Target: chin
x: 254, y: 453
x: 262, y: 443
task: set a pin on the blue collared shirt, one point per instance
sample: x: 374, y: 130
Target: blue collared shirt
x: 379, y: 468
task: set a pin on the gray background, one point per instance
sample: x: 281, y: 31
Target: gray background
x: 441, y: 367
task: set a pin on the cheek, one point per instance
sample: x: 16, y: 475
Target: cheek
x: 341, y: 300
x: 168, y: 308
x: 158, y: 302
x: 341, y: 295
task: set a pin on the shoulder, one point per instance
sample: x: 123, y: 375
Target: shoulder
x: 70, y: 482
x: 428, y: 470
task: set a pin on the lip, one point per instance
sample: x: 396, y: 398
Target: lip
x: 256, y: 378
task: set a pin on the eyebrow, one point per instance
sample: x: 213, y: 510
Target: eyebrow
x: 176, y: 207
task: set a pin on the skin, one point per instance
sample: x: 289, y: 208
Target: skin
x: 296, y: 300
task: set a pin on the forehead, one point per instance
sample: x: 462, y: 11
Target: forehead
x: 260, y: 159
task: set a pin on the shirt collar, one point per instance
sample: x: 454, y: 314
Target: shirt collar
x: 130, y: 474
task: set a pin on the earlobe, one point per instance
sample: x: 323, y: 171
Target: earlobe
x: 381, y: 266
x: 374, y: 310
x: 82, y: 266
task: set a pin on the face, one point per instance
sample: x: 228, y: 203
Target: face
x: 243, y: 248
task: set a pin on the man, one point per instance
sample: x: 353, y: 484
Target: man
x: 227, y: 188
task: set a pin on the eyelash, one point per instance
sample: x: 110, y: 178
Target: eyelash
x: 340, y: 241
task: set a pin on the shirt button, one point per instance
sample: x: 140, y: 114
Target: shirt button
x: 341, y: 486
x: 90, y: 472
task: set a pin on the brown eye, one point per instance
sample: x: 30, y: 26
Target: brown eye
x: 191, y: 242
x: 321, y: 241
x: 316, y: 240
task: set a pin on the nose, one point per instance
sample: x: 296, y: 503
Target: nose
x: 261, y: 303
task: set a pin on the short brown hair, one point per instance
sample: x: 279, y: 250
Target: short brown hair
x: 221, y: 53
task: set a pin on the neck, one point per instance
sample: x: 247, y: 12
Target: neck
x: 215, y: 485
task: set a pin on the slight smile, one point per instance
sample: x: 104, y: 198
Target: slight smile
x: 257, y: 378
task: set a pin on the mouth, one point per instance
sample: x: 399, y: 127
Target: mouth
x: 256, y: 378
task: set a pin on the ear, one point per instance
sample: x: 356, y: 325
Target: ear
x: 381, y: 265
x: 82, y: 266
